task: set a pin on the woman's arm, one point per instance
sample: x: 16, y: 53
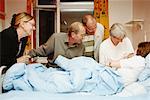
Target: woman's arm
x: 45, y: 49
x: 114, y: 64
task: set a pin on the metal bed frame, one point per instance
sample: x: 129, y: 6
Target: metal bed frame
x: 1, y: 77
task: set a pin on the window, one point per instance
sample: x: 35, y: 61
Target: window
x: 74, y: 0
x: 46, y: 2
x: 46, y: 25
x: 45, y: 12
x: 73, y: 11
x: 69, y: 17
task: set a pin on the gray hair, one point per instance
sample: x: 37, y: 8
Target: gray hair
x: 118, y: 30
x: 76, y: 27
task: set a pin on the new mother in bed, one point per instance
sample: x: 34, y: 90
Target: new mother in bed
x: 132, y: 65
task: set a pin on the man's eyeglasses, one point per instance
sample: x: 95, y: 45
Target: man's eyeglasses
x: 91, y: 29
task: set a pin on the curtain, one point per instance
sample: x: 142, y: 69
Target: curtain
x: 101, y: 15
x: 2, y: 9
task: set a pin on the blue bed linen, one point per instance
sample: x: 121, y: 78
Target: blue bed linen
x: 146, y: 84
x: 144, y: 77
x: 19, y: 95
x: 93, y: 78
x: 107, y: 80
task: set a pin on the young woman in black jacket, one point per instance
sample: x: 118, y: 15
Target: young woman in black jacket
x: 13, y: 39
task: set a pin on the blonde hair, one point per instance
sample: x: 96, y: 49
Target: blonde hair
x: 76, y: 27
x: 18, y: 18
x: 118, y: 30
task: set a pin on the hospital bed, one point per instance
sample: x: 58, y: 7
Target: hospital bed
x: 1, y: 78
x: 138, y: 91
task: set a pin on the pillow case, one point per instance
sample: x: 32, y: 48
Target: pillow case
x: 145, y: 74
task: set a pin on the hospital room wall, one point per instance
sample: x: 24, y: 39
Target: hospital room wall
x: 12, y: 7
x: 137, y: 11
x: 141, y: 10
x: 120, y: 11
x: 116, y: 14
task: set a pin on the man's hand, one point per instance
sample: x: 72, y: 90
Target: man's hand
x: 23, y: 59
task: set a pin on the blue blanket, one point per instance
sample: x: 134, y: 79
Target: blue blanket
x: 81, y: 74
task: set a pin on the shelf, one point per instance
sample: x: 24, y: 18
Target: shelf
x: 46, y: 6
x: 135, y: 21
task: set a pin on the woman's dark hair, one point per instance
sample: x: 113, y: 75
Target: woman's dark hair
x: 143, y: 49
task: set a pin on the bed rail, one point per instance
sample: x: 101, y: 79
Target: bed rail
x: 1, y: 78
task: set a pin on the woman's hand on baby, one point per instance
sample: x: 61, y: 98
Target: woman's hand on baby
x: 128, y: 55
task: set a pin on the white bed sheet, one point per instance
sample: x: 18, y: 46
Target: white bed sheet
x: 19, y: 95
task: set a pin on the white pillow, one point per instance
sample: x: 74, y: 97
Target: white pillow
x: 147, y: 59
x: 146, y: 72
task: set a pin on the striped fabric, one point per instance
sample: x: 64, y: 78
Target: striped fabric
x: 89, y: 45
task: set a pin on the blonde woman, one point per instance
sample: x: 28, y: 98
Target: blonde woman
x: 14, y: 38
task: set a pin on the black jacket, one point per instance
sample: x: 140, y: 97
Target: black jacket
x: 9, y: 47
